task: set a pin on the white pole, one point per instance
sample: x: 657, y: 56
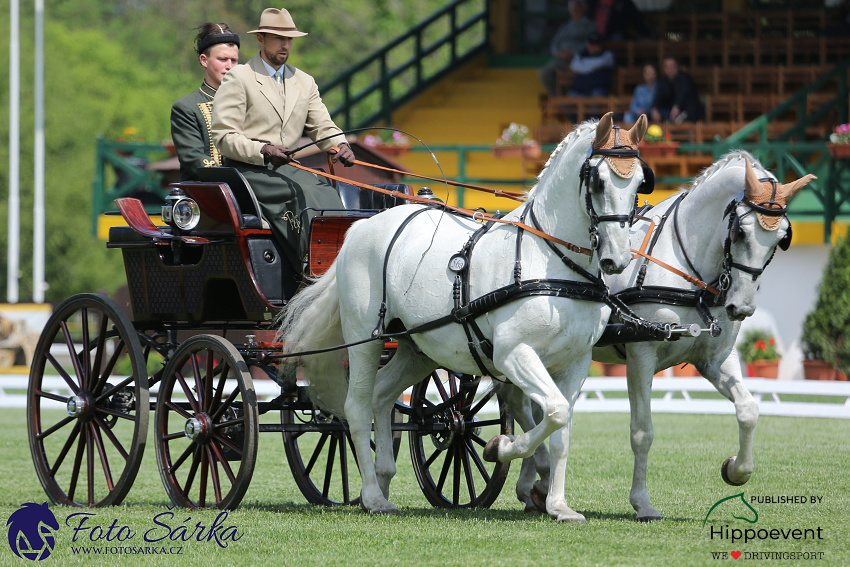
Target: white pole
x: 38, y: 284
x: 12, y: 261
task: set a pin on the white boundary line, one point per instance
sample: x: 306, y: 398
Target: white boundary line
x: 678, y: 395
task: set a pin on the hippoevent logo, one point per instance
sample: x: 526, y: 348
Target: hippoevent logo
x: 734, y: 519
x: 31, y: 531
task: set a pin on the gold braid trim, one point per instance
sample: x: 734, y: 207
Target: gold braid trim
x: 206, y: 112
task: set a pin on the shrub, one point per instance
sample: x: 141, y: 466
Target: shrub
x: 825, y: 330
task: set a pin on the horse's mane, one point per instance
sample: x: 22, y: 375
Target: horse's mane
x: 572, y: 137
x: 720, y: 164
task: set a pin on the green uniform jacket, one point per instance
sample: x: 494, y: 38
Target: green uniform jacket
x: 191, y: 124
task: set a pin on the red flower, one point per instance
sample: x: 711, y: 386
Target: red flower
x: 760, y: 345
x: 772, y: 341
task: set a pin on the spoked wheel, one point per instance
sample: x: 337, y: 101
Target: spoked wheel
x: 321, y: 455
x: 206, y: 425
x: 87, y: 446
x: 446, y: 450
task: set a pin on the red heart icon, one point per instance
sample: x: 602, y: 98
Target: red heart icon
x: 735, y: 554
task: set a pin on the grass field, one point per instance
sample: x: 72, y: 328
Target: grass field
x: 805, y: 457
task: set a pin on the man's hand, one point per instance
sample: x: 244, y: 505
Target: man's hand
x: 275, y: 155
x: 345, y: 155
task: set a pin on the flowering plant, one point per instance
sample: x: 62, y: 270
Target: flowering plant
x: 758, y: 345
x: 130, y: 135
x: 841, y: 134
x: 515, y: 135
x: 655, y: 134
x: 386, y: 138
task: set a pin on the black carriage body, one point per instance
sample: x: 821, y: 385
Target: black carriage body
x: 238, y: 275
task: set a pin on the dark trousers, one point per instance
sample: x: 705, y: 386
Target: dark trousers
x: 289, y: 199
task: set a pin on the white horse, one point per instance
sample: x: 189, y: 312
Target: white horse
x: 723, y: 230
x: 401, y: 266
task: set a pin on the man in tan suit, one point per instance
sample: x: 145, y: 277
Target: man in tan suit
x: 261, y: 111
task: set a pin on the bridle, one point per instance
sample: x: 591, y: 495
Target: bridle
x: 770, y: 208
x: 589, y: 177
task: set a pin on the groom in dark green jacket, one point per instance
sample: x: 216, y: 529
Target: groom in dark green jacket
x: 191, y: 116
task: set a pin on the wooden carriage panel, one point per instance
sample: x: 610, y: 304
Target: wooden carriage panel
x: 326, y: 236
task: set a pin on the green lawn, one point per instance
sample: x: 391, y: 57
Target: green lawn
x: 793, y: 457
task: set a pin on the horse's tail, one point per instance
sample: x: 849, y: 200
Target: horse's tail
x: 311, y: 322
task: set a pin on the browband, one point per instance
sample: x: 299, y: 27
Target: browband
x: 211, y: 40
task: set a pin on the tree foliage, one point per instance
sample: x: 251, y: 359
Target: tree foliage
x: 119, y: 64
x: 826, y: 330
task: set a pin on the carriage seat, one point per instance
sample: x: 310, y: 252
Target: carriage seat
x: 356, y: 198
x: 249, y: 207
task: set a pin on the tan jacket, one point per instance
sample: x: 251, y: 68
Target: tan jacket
x: 251, y: 110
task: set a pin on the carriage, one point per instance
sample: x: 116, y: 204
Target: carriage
x: 204, y: 292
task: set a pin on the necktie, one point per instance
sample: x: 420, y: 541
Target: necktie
x: 278, y: 78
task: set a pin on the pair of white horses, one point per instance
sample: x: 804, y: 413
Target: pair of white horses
x: 395, y: 267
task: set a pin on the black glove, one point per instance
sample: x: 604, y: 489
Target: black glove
x: 345, y: 155
x: 275, y: 155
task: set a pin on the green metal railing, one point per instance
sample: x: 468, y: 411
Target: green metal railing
x: 119, y: 171
x: 371, y: 90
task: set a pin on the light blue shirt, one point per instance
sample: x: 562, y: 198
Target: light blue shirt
x: 271, y: 69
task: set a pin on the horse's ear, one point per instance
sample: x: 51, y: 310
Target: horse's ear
x: 603, y: 130
x: 753, y: 185
x: 791, y: 189
x: 638, y: 130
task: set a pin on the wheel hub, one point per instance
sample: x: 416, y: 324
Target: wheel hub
x: 198, y: 428
x: 79, y: 406
x: 454, y: 424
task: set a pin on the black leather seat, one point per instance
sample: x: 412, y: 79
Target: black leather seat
x: 356, y: 198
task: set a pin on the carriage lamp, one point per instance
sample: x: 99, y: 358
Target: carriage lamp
x: 180, y: 211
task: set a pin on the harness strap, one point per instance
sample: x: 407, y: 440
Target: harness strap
x: 689, y: 278
x: 475, y: 215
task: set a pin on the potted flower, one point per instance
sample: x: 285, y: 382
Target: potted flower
x: 390, y: 142
x: 515, y: 142
x: 826, y: 347
x: 839, y: 142
x: 657, y: 143
x: 758, y: 350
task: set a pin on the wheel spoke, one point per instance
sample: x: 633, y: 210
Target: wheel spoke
x: 188, y: 391
x: 329, y: 466
x: 202, y: 497
x: 219, y: 389
x: 98, y: 443
x: 111, y: 436
x: 176, y: 464
x: 470, y: 396
x: 173, y: 436
x: 55, y: 428
x: 206, y: 402
x: 86, y: 375
x: 343, y: 462
x: 432, y: 458
x: 116, y: 413
x: 75, y: 431
x: 456, y: 474
x: 99, y: 352
x: 90, y: 464
x: 183, y: 413
x: 484, y: 399
x: 467, y: 471
x: 224, y: 464
x: 61, y: 370
x: 224, y: 405
x: 479, y: 464
x: 103, y: 395
x: 193, y: 470
x: 316, y: 453
x: 229, y: 423
x: 445, y: 471
x: 51, y: 396
x: 214, y: 474
x: 229, y: 442
x: 78, y: 461
x: 107, y: 370
x: 440, y: 388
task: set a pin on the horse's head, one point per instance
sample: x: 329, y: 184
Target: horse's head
x: 756, y: 226
x: 612, y: 176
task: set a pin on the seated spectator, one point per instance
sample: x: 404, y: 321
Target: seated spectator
x: 676, y: 98
x: 615, y: 18
x: 569, y: 40
x: 593, y: 67
x: 643, y: 96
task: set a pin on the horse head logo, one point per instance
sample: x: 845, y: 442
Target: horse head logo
x: 31, y: 529
x: 737, y: 509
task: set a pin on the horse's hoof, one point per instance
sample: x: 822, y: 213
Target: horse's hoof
x: 724, y: 472
x: 574, y: 518
x: 538, y: 497
x: 491, y: 450
x: 648, y: 519
x: 532, y: 509
x: 392, y: 510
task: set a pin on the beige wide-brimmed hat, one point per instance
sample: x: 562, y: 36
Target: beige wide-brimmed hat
x: 278, y: 22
